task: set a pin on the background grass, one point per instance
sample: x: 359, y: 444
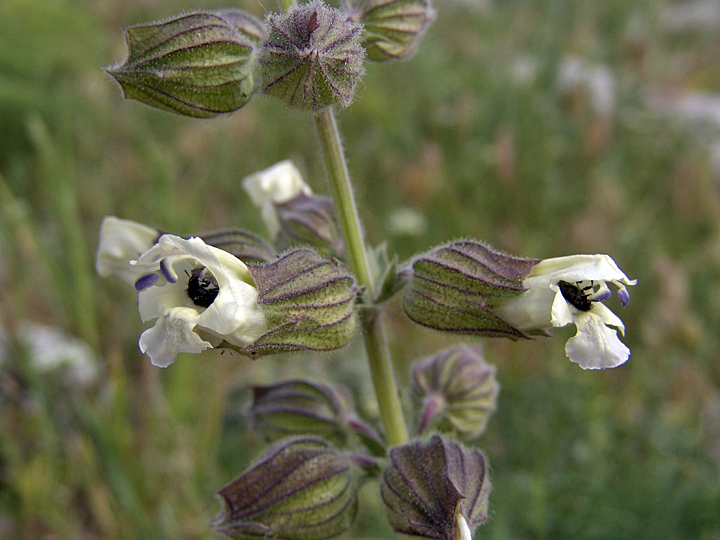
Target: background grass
x: 476, y: 134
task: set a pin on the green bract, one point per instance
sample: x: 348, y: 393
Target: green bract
x: 198, y: 64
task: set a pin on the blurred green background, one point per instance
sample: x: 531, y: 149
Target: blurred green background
x: 545, y: 127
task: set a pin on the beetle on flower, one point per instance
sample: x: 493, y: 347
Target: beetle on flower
x: 468, y: 287
x: 570, y: 290
x: 200, y: 296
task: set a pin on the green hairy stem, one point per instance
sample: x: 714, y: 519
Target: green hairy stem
x: 373, y: 333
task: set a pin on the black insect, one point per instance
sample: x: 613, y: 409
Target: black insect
x: 576, y: 296
x: 202, y: 288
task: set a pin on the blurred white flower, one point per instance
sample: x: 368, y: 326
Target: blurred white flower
x: 570, y: 290
x: 278, y: 184
x: 597, y: 81
x: 120, y: 242
x: 689, y: 16
x: 52, y: 350
x: 407, y: 221
x: 200, y: 296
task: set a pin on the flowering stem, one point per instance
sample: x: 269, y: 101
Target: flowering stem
x: 375, y: 342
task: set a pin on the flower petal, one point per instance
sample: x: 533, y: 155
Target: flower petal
x: 235, y: 309
x: 154, y: 301
x: 463, y: 531
x: 576, y: 268
x: 278, y: 184
x: 560, y: 311
x: 595, y: 346
x: 120, y: 242
x: 604, y: 313
x: 172, y: 335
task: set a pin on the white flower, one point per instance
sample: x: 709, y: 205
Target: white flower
x: 120, y: 242
x: 462, y: 531
x: 598, y: 82
x: 570, y: 290
x: 200, y: 296
x: 407, y: 221
x: 278, y: 184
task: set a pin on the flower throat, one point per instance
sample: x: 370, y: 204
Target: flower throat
x: 202, y: 287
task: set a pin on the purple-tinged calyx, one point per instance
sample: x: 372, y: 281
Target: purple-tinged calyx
x: 456, y: 391
x: 393, y: 28
x: 312, y: 57
x: 300, y: 489
x: 427, y: 486
x: 299, y: 406
x: 453, y: 288
x: 197, y: 64
x: 312, y: 298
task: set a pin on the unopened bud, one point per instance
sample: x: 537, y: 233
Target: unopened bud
x: 300, y: 489
x: 435, y: 490
x: 393, y: 28
x: 301, y: 406
x: 311, y: 298
x: 310, y: 220
x: 198, y: 64
x: 312, y: 57
x: 305, y: 407
x: 453, y: 286
x: 457, y: 390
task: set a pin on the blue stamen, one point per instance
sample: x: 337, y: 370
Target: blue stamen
x: 604, y: 295
x: 167, y: 271
x: 143, y: 282
x: 624, y: 297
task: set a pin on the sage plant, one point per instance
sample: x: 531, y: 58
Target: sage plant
x: 317, y: 285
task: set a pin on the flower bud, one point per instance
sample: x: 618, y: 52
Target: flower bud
x: 435, y: 490
x: 300, y: 489
x: 242, y: 244
x: 312, y: 300
x: 453, y: 286
x: 300, y: 406
x: 312, y: 57
x: 245, y: 23
x: 457, y: 389
x: 310, y: 220
x: 393, y: 28
x: 198, y: 64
